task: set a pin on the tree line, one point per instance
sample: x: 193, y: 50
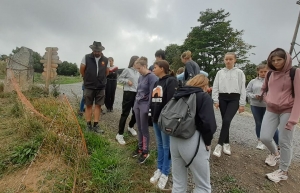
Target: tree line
x: 65, y: 68
x: 210, y: 41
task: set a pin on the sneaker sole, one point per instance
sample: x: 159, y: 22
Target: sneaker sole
x: 216, y: 155
x: 145, y: 159
x: 226, y: 153
x: 121, y: 143
x: 273, y: 180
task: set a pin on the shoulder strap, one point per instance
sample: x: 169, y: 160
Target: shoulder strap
x: 292, y: 75
x: 197, y: 149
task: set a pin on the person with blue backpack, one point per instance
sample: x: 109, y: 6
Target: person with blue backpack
x: 281, y: 93
x: 163, y: 91
x: 193, y: 151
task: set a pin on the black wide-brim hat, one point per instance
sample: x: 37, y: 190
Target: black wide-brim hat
x: 97, y: 46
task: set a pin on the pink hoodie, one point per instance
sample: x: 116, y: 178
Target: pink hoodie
x: 279, y: 97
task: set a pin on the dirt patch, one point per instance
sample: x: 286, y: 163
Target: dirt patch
x: 33, y: 179
x: 243, y: 171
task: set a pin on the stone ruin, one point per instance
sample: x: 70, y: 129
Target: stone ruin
x: 21, y: 64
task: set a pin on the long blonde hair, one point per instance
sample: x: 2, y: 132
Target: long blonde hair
x: 186, y: 55
x: 199, y: 80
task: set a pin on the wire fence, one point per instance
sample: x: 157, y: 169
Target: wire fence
x: 63, y: 141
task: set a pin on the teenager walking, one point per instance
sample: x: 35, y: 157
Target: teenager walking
x: 281, y: 93
x: 111, y: 85
x: 229, y: 94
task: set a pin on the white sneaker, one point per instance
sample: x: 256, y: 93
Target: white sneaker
x: 260, y: 145
x: 271, y: 160
x: 277, y: 176
x: 155, y: 177
x: 226, y: 149
x: 162, y: 181
x: 132, y: 131
x: 120, y: 139
x: 217, y: 151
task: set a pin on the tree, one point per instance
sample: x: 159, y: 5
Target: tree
x: 67, y: 69
x: 212, y: 39
x: 173, y: 53
x: 250, y: 72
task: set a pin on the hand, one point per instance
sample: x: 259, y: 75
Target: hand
x: 257, y: 97
x: 217, y: 105
x: 207, y: 148
x: 241, y: 109
x: 129, y: 83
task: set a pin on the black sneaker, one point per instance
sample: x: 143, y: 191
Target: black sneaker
x: 143, y: 157
x: 89, y: 128
x: 137, y: 152
x: 97, y: 129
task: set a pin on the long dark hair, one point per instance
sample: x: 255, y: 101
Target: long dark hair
x: 132, y: 61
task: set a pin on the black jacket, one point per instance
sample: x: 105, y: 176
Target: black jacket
x: 91, y: 79
x: 205, y: 116
x: 163, y: 91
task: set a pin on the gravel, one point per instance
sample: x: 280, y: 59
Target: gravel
x: 242, y: 130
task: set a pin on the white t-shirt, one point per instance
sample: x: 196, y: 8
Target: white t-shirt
x: 97, y: 60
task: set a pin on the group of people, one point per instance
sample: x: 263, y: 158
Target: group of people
x: 146, y: 90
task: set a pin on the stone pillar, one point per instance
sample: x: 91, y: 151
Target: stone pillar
x: 21, y: 64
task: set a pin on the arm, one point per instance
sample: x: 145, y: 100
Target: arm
x: 152, y: 80
x: 82, y: 69
x: 215, y: 91
x: 204, y: 73
x: 171, y: 88
x: 249, y: 89
x: 207, y: 116
x: 107, y: 72
x: 180, y: 76
x: 295, y: 114
x: 243, y: 89
x: 123, y: 77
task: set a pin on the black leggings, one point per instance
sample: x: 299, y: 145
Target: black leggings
x: 228, y: 107
x: 110, y: 91
x: 127, y: 105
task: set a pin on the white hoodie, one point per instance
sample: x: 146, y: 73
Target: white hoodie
x: 230, y: 81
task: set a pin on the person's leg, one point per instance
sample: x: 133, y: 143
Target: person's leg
x: 200, y: 166
x: 89, y: 96
x: 81, y: 109
x: 256, y: 111
x: 99, y: 100
x: 268, y: 128
x: 138, y: 122
x: 144, y: 108
x: 126, y: 107
x: 166, y: 151
x: 231, y: 109
x: 276, y: 138
x: 179, y: 171
x: 113, y: 92
x: 132, y: 120
x: 159, y: 145
x: 88, y: 113
x: 285, y: 142
x: 107, y: 95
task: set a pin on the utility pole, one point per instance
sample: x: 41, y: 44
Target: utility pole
x: 295, y: 37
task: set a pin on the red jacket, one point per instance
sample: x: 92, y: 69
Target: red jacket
x: 279, y: 96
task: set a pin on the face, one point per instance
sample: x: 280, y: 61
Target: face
x: 278, y: 62
x: 183, y: 60
x: 158, y: 71
x: 157, y: 58
x: 97, y: 54
x: 229, y: 61
x: 262, y: 72
x: 141, y: 69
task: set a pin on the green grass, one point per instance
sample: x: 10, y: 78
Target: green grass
x: 60, y: 79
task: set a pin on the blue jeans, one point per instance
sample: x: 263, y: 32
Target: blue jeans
x: 82, y: 101
x: 258, y: 114
x: 163, y: 150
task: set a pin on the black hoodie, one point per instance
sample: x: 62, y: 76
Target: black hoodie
x: 205, y: 116
x: 163, y: 91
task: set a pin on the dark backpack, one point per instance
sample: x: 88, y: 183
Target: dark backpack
x: 292, y: 75
x: 177, y: 119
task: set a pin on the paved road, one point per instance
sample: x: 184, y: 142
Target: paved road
x: 242, y: 127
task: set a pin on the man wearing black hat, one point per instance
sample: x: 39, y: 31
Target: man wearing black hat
x: 94, y: 70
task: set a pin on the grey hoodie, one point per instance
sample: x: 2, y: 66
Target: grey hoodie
x: 253, y: 89
x: 132, y: 75
x: 230, y: 81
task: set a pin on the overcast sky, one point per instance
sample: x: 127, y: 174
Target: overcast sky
x: 137, y: 27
